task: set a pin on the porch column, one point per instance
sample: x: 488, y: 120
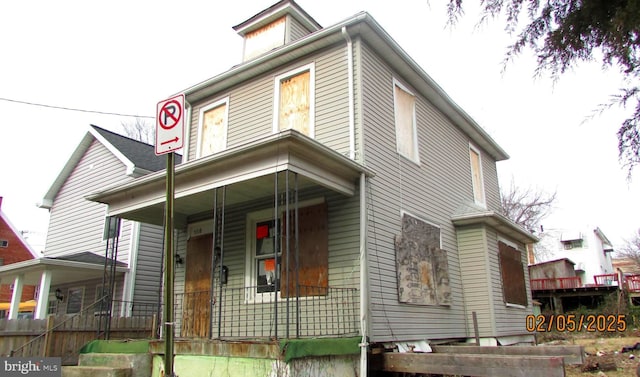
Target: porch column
x: 43, y: 295
x: 16, y: 296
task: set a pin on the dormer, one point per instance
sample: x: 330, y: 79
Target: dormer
x: 281, y: 23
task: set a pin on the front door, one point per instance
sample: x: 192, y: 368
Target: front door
x: 196, y: 306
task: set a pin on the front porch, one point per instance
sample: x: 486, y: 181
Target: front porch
x: 268, y: 239
x: 325, y: 311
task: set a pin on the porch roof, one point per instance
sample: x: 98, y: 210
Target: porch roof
x: 253, y: 164
x: 63, y: 271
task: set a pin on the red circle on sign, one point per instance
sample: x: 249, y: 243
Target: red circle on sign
x: 167, y: 114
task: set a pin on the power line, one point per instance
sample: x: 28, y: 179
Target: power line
x: 72, y: 109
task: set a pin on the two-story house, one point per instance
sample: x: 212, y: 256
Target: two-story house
x: 87, y: 253
x: 588, y: 248
x: 330, y: 188
x: 13, y: 249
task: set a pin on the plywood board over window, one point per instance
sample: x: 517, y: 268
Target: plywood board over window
x: 422, y: 266
x: 405, y: 118
x: 294, y: 101
x: 512, y: 270
x: 476, y: 175
x: 312, y: 259
x: 213, y: 129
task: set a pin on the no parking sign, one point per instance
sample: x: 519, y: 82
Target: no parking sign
x: 170, y: 125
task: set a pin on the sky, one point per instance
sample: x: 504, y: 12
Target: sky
x: 124, y: 57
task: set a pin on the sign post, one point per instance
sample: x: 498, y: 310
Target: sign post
x: 169, y: 138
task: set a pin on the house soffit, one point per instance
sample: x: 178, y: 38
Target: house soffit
x: 247, y: 171
x: 496, y: 221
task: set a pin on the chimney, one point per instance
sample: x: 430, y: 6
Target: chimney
x: 0, y: 202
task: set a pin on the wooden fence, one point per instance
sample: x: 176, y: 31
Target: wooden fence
x: 64, y: 336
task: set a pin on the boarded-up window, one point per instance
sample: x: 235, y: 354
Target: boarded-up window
x: 264, y: 39
x: 476, y: 176
x: 307, y: 269
x: 213, y: 129
x: 312, y: 261
x: 294, y: 103
x: 512, y: 270
x: 405, y: 117
x: 422, y: 267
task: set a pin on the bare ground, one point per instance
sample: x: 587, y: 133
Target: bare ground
x: 604, y: 353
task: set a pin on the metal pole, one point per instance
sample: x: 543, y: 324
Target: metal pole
x: 275, y: 256
x: 221, y: 263
x: 168, y: 273
x: 213, y: 264
x: 287, y: 237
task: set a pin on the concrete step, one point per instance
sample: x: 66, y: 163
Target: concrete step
x: 140, y: 363
x: 95, y: 371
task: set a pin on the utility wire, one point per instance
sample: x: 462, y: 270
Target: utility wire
x: 72, y: 109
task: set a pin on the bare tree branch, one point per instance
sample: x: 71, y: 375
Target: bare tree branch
x: 140, y: 130
x: 527, y: 207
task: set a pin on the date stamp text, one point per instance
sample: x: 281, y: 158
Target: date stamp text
x: 576, y: 322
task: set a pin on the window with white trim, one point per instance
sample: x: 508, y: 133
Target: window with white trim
x: 294, y: 101
x: 405, y: 119
x: 269, y: 270
x: 4, y: 243
x: 476, y: 175
x: 212, y: 129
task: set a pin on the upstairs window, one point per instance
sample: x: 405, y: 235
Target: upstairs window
x: 573, y: 244
x: 294, y: 101
x: 4, y: 243
x: 405, y: 118
x: 264, y: 39
x: 476, y: 175
x: 212, y: 130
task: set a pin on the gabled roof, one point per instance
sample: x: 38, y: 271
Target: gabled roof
x: 364, y: 26
x: 139, y: 158
x: 17, y: 233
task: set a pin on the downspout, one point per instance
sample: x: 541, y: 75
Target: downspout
x: 364, y: 270
x: 364, y: 281
x: 352, y: 123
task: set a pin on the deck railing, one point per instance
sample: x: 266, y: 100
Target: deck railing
x: 244, y: 313
x: 556, y: 283
x: 606, y: 279
x: 633, y: 283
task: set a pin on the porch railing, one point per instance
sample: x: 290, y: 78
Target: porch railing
x: 556, y: 283
x: 243, y: 313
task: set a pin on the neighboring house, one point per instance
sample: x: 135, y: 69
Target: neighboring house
x: 13, y: 249
x: 588, y: 248
x: 387, y: 192
x: 76, y: 268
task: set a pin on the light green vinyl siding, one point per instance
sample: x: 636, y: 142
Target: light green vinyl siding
x: 476, y: 276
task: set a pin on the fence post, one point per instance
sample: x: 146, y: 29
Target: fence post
x: 48, y: 335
